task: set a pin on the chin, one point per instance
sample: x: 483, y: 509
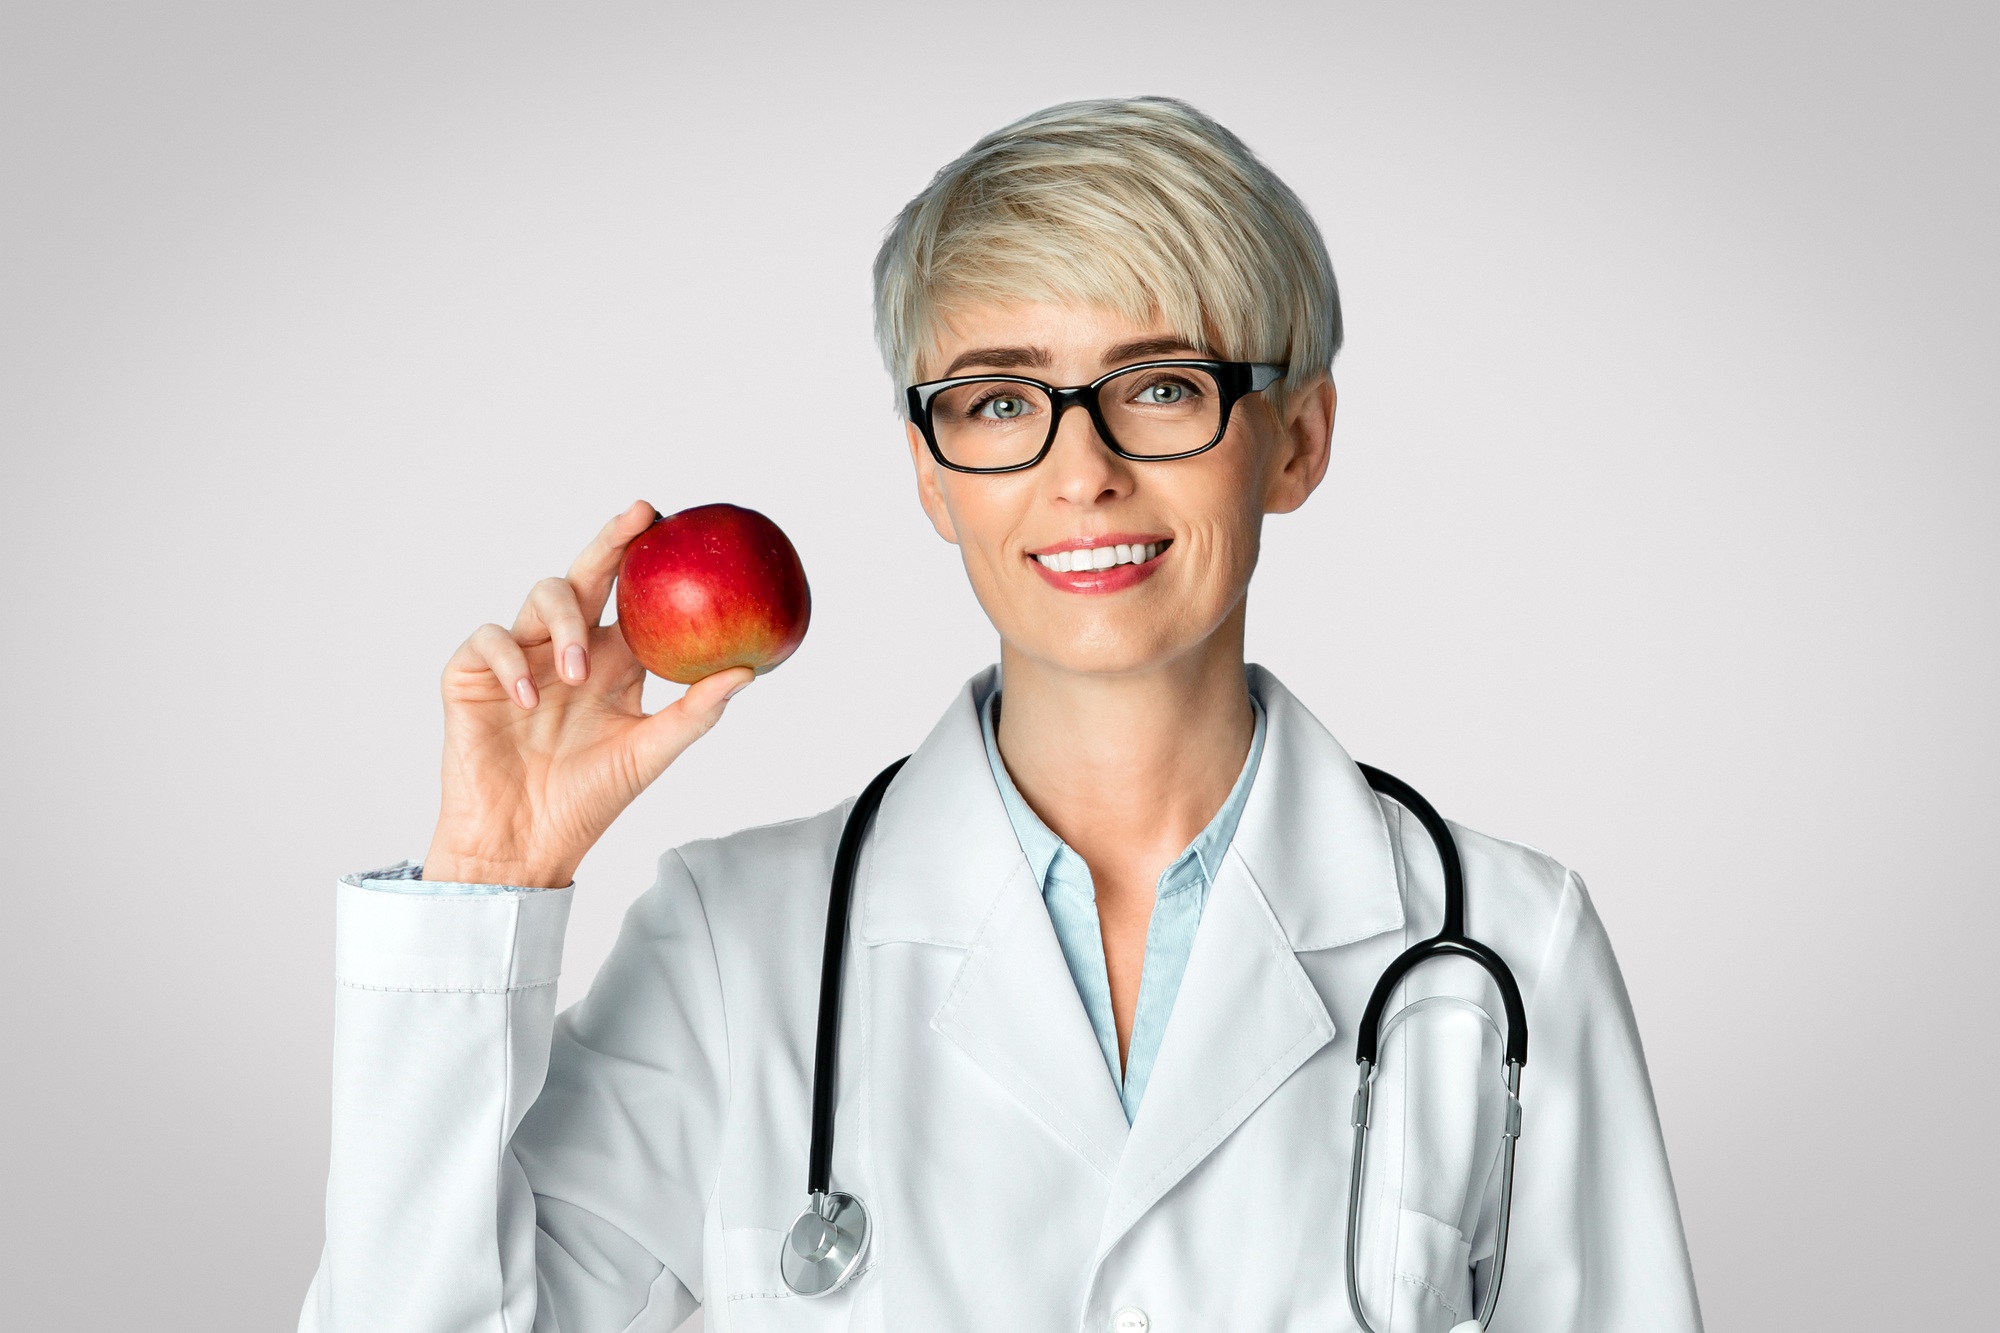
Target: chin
x: 1127, y: 634
x: 1100, y: 650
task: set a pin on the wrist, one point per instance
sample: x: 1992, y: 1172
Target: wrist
x: 445, y: 864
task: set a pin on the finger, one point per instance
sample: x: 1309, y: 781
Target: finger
x: 494, y: 650
x: 551, y: 615
x: 594, y: 570
x: 661, y: 738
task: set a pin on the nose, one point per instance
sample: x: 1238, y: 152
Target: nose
x: 1080, y: 467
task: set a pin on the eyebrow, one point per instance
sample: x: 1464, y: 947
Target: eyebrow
x: 1033, y: 358
x: 998, y: 358
x: 1145, y: 347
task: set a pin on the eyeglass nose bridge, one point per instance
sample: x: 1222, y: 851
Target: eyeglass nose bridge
x: 1085, y: 397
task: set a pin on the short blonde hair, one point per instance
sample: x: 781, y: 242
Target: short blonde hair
x: 1144, y: 206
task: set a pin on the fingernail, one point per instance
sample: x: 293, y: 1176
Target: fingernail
x: 574, y: 665
x: 738, y: 690
x: 524, y: 690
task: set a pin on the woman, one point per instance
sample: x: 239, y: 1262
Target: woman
x: 1114, y: 924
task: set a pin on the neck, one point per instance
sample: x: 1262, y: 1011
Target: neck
x: 1129, y: 768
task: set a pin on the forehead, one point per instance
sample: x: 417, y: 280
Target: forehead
x: 1047, y: 335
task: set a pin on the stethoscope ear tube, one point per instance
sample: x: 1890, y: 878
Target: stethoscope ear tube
x: 1368, y: 1038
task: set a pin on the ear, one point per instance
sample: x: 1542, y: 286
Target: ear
x: 930, y: 490
x: 1305, y: 446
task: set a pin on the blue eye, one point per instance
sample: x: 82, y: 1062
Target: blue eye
x: 1004, y: 407
x: 1166, y: 389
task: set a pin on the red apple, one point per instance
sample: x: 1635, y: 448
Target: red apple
x: 709, y: 588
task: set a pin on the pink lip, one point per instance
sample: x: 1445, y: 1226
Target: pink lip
x: 1115, y: 579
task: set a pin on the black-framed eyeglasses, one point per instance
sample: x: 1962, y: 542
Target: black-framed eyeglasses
x: 1150, y: 412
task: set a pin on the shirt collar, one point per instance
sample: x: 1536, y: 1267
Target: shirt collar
x: 1041, y: 845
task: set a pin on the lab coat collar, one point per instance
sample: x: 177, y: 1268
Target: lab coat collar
x: 1312, y: 836
x: 941, y: 848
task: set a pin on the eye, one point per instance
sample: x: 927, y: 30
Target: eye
x: 1166, y: 390
x: 1002, y: 407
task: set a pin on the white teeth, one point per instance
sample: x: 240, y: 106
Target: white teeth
x: 1100, y: 557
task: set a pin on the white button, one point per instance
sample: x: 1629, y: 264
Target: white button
x: 1131, y: 1319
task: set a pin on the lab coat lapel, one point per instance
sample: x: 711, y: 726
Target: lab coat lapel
x: 1014, y: 1010
x: 1311, y: 867
x: 1246, y: 1017
x: 943, y: 867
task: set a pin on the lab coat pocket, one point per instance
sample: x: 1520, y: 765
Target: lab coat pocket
x: 758, y: 1301
x: 1433, y: 1274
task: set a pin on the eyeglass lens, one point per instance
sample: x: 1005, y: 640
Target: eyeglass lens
x: 1151, y: 412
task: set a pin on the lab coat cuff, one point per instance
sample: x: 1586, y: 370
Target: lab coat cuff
x: 506, y: 940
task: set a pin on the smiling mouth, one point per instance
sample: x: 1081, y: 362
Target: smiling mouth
x: 1083, y: 559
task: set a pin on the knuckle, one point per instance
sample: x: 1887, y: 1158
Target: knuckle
x: 498, y: 644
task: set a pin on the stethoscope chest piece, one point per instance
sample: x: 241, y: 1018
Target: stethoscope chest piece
x: 825, y: 1245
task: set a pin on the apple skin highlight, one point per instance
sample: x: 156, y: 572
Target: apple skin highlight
x: 709, y: 588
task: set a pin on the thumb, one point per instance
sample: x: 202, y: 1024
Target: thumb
x: 659, y: 739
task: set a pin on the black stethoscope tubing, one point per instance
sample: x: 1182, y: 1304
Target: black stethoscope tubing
x: 1451, y: 939
x: 825, y: 1246
x: 832, y: 967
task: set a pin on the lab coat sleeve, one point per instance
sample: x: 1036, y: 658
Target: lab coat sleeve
x: 1597, y: 1241
x: 496, y: 1166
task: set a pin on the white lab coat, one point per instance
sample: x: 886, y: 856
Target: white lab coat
x: 499, y: 1167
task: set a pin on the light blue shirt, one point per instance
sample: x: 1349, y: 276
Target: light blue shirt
x: 1178, y: 900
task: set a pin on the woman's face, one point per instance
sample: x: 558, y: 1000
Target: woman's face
x: 1205, y: 513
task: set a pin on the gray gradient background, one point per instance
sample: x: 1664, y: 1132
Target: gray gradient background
x: 1660, y: 532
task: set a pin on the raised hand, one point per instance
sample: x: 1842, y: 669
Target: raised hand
x: 545, y: 741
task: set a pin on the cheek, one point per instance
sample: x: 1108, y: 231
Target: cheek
x: 1222, y: 512
x: 985, y: 512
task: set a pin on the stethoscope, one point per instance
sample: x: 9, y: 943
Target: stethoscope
x: 826, y: 1244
